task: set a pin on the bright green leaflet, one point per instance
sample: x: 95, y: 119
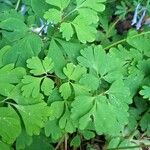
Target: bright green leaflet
x: 145, y: 92
x: 39, y: 67
x: 10, y: 124
x: 31, y: 86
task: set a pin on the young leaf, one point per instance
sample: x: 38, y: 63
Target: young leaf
x: 85, y: 32
x: 76, y: 141
x: 145, y: 92
x: 53, y: 15
x: 39, y: 67
x: 67, y: 30
x: 65, y: 90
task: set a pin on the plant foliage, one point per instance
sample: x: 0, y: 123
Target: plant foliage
x: 66, y: 75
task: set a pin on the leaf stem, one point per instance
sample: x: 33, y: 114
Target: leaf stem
x: 59, y: 143
x: 3, y: 101
x: 125, y: 39
x: 17, y: 5
x: 66, y: 141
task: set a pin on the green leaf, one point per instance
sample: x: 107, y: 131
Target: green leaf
x: 86, y: 10
x: 65, y: 90
x: 23, y: 140
x: 4, y: 146
x: 39, y: 7
x: 56, y: 52
x: 67, y: 30
x: 53, y: 15
x: 59, y: 3
x: 74, y: 72
x: 40, y: 142
x: 9, y: 76
x: 11, y: 13
x: 113, y: 143
x: 76, y: 141
x: 145, y: 123
x: 85, y: 32
x: 57, y: 108
x: 98, y: 109
x: 10, y: 124
x: 39, y: 67
x: 30, y: 45
x: 2, y: 53
x: 106, y: 65
x: 34, y: 117
x: 90, y: 81
x: 52, y: 129
x: 141, y: 42
x: 13, y: 29
x: 31, y: 86
x: 96, y: 4
x: 66, y: 122
x: 145, y: 92
x: 47, y: 86
x: 16, y: 95
x: 88, y: 134
x: 80, y: 23
x: 128, y: 143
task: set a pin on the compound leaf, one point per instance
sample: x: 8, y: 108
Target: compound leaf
x: 39, y: 67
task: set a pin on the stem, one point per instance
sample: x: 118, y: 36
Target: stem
x: 17, y: 5
x: 124, y: 40
x: 69, y: 14
x: 59, y: 143
x: 66, y: 141
x: 3, y: 101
